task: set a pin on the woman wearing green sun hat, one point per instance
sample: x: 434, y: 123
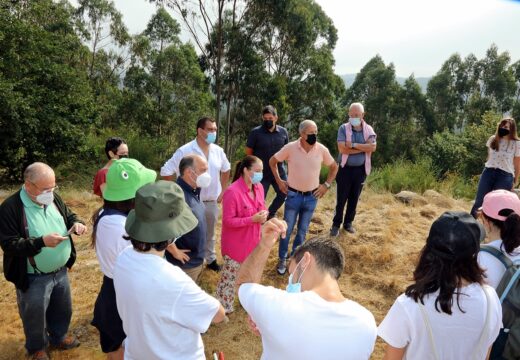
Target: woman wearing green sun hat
x: 124, y: 178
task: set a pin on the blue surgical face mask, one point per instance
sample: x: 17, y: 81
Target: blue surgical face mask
x: 297, y: 286
x: 355, y: 121
x: 257, y: 177
x: 211, y: 137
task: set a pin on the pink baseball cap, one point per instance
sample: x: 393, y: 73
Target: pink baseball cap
x: 498, y: 200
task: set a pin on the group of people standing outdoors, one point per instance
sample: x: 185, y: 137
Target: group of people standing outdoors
x: 152, y: 239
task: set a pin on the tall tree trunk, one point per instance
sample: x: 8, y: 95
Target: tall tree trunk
x: 218, y: 84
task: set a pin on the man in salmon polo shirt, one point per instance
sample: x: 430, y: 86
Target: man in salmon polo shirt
x: 304, y: 158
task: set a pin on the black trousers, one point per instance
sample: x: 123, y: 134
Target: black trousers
x: 349, y: 182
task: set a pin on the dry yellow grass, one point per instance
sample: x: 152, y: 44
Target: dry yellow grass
x: 380, y: 259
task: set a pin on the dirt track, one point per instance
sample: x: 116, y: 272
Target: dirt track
x: 380, y: 260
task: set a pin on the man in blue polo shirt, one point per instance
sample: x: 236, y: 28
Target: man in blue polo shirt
x: 264, y: 141
x: 188, y: 251
x: 35, y: 228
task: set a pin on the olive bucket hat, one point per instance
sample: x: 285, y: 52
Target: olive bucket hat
x: 124, y: 178
x: 160, y: 213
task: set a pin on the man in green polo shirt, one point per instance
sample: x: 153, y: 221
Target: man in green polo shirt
x: 35, y: 228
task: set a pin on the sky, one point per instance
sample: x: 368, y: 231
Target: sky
x: 417, y: 36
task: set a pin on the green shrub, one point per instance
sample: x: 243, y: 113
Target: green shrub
x: 420, y: 176
x: 402, y: 174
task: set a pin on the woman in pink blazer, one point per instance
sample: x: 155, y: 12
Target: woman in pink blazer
x: 243, y: 213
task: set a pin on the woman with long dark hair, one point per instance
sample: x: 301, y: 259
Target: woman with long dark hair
x: 124, y: 178
x: 447, y: 313
x: 243, y: 213
x: 502, y: 167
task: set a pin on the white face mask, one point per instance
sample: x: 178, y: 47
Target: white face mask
x: 45, y: 198
x: 203, y: 180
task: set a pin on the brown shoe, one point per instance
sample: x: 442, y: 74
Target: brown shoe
x: 38, y: 355
x: 70, y: 342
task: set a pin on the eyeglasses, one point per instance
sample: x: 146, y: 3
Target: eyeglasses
x: 54, y: 188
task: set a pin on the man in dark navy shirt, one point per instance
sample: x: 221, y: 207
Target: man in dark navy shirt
x: 263, y: 142
x: 188, y: 251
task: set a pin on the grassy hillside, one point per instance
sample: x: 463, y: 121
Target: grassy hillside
x: 380, y: 258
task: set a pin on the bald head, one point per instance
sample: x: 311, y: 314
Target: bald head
x: 192, y: 166
x: 37, y: 171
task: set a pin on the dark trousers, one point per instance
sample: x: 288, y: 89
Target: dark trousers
x: 349, y: 182
x: 46, y: 309
x: 491, y: 179
x: 279, y: 198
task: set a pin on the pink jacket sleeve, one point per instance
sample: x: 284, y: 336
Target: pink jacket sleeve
x: 230, y: 217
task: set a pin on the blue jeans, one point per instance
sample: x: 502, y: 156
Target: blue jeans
x: 45, y: 309
x: 279, y: 198
x: 491, y: 179
x: 301, y: 207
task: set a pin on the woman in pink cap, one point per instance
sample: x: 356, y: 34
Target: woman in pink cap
x: 500, y: 216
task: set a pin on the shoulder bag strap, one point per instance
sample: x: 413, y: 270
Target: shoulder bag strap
x: 497, y: 254
x: 429, y: 329
x: 486, y: 323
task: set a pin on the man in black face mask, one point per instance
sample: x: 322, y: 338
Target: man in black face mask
x: 263, y: 142
x: 304, y: 157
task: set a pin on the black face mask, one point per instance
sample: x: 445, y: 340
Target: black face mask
x: 503, y: 132
x: 311, y: 139
x: 268, y: 124
x: 123, y: 156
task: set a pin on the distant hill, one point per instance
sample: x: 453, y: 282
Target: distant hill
x: 422, y: 81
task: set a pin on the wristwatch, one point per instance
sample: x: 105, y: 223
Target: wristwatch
x: 352, y: 146
x: 327, y: 185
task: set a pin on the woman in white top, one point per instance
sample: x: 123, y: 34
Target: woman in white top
x: 124, y: 178
x: 502, y: 167
x: 447, y: 313
x: 499, y: 215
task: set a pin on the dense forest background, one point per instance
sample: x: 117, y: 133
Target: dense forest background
x: 70, y: 76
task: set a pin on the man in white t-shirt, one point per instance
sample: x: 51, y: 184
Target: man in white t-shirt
x: 213, y: 184
x: 162, y: 309
x: 312, y: 319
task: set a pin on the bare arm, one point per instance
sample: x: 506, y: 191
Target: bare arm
x: 333, y: 171
x: 219, y: 316
x: 392, y: 353
x: 516, y: 162
x: 345, y: 148
x: 365, y: 147
x: 168, y: 177
x: 322, y: 189
x: 273, y: 164
x: 252, y: 268
x: 224, y: 181
x: 249, y: 151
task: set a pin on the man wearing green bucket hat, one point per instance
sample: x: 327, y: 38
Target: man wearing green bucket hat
x: 123, y: 179
x: 163, y: 310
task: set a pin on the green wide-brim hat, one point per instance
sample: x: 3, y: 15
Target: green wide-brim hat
x: 160, y: 213
x: 124, y: 178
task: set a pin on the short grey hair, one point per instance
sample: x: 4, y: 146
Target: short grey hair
x: 36, y: 171
x: 305, y: 124
x: 358, y: 105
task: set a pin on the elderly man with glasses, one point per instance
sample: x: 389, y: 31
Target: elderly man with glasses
x: 35, y: 235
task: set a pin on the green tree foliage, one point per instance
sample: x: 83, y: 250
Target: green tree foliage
x: 45, y: 100
x: 165, y: 90
x: 463, y: 152
x: 376, y: 87
x: 101, y: 27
